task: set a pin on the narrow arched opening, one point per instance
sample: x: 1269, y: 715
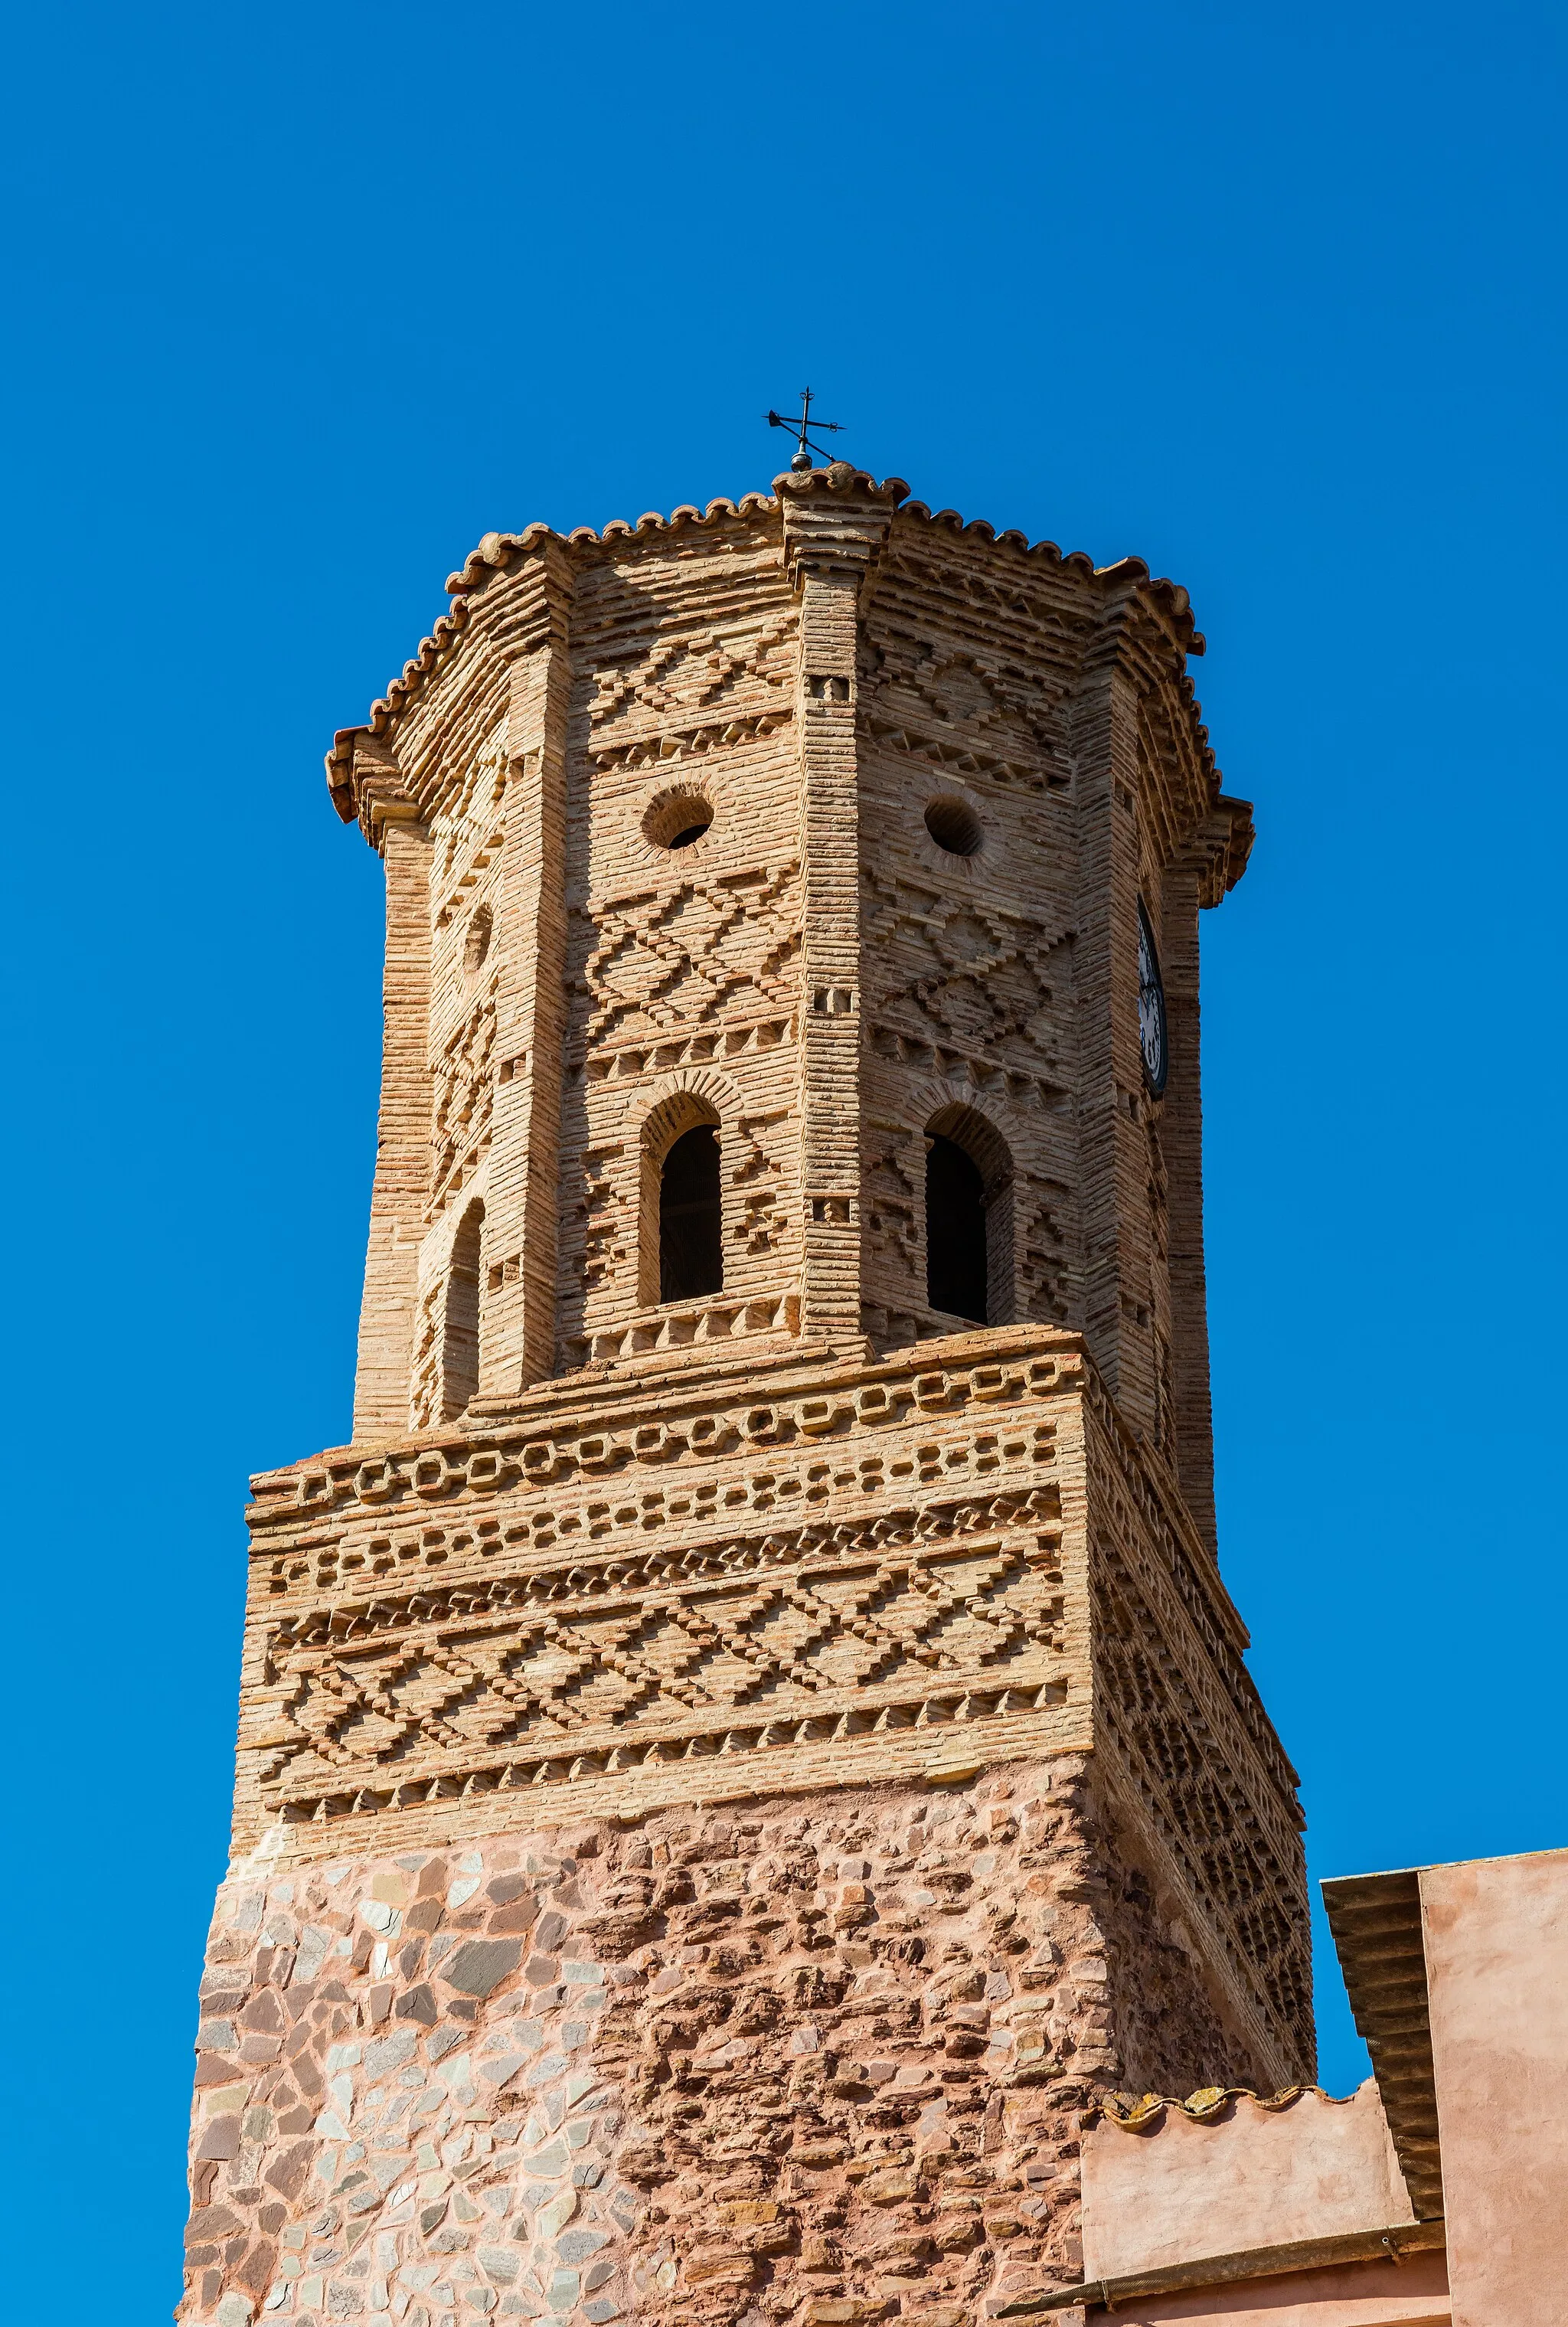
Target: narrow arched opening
x: 956, y: 1243
x: 971, y: 1264
x: 691, y: 1252
x: 460, y: 1341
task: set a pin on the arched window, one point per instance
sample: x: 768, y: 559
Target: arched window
x: 459, y: 1342
x: 955, y: 1232
x: 691, y: 1256
x: 969, y: 1260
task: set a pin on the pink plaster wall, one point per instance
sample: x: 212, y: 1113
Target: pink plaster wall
x: 1413, y: 2294
x: 1496, y: 1934
x: 1319, y: 2169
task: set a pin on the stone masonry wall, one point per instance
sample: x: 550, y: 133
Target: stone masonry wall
x: 819, y: 2059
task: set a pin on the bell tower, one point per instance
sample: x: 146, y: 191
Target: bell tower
x: 750, y: 1736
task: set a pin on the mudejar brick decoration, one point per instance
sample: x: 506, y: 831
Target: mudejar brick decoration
x: 723, y: 1780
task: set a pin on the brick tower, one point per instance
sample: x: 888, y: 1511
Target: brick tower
x: 750, y: 1734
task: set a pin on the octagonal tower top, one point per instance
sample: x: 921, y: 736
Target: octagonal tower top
x: 791, y: 939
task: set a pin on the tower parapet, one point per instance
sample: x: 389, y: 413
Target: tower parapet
x: 754, y: 1709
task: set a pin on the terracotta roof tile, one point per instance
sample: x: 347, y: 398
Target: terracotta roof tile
x: 1132, y: 2111
x: 497, y: 551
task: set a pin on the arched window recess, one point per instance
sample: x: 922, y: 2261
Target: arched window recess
x: 461, y: 1328
x: 681, y: 1251
x: 969, y: 1263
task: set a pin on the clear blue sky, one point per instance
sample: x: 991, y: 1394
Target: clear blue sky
x: 303, y: 301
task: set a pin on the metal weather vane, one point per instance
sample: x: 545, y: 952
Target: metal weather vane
x: 805, y: 448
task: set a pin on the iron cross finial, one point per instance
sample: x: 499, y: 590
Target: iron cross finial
x: 801, y: 457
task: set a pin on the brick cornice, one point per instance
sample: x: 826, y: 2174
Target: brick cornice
x: 833, y: 520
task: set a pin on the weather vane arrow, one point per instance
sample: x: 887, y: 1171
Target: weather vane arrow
x: 801, y: 457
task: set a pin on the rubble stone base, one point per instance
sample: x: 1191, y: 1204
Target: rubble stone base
x: 820, y: 2057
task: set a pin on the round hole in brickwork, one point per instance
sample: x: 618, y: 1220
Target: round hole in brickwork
x: 476, y: 945
x: 675, y: 819
x: 954, y: 826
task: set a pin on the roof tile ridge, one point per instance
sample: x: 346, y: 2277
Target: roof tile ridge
x: 494, y: 553
x: 499, y: 549
x: 427, y: 657
x: 1172, y: 595
x: 1131, y: 568
x: 1131, y: 2112
x: 952, y: 521
x: 838, y: 481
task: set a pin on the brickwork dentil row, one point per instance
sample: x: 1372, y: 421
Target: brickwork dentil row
x: 723, y: 1778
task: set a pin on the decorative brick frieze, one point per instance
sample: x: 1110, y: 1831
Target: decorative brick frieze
x: 858, y: 1571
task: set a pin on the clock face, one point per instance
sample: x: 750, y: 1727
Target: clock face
x: 1152, y: 1035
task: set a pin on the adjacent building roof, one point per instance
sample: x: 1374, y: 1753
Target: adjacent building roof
x: 1375, y: 1920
